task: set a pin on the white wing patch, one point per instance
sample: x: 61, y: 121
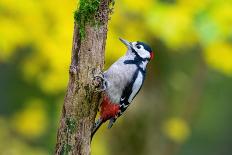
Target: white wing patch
x: 122, y: 99
x: 137, y: 84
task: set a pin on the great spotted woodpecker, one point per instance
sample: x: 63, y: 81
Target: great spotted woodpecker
x: 122, y: 82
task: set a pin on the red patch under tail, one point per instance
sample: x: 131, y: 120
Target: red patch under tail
x: 108, y: 109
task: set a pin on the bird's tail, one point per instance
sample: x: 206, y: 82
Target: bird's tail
x: 97, y: 125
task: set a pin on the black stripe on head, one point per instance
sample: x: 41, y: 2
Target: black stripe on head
x: 145, y: 46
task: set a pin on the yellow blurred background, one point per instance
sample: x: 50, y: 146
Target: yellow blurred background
x: 184, y: 107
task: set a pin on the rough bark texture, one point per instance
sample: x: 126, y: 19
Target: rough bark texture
x: 81, y: 100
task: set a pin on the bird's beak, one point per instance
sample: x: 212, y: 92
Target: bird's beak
x: 127, y: 43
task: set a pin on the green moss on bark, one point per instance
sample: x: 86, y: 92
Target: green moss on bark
x: 65, y: 149
x: 71, y: 125
x: 90, y: 12
x: 86, y: 14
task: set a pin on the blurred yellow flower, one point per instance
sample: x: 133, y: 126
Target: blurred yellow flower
x: 193, y: 5
x: 31, y: 122
x: 176, y: 129
x: 17, y: 145
x: 222, y: 14
x: 139, y: 6
x: 47, y: 30
x: 172, y: 24
x: 219, y: 57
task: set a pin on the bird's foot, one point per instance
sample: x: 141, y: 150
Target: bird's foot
x: 99, y: 82
x: 98, y: 122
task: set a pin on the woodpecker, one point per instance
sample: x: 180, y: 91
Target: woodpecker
x: 122, y: 82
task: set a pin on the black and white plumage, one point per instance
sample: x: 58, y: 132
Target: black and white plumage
x: 123, y: 80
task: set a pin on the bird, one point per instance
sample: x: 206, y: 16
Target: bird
x: 122, y: 82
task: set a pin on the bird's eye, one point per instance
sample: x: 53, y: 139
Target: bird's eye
x: 138, y: 46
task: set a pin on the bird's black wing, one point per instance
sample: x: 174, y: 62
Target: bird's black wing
x: 126, y: 97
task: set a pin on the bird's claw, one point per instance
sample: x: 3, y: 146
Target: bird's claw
x: 97, y: 122
x: 99, y: 82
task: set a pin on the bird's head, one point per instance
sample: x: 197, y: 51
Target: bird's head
x: 139, y: 49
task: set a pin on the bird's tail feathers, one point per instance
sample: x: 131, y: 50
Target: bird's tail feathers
x: 112, y: 120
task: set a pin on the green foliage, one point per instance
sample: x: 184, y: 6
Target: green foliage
x: 86, y: 14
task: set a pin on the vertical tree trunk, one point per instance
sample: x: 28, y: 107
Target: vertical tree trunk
x: 81, y: 101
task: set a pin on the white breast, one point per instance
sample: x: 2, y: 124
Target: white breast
x: 118, y: 76
x: 137, y: 85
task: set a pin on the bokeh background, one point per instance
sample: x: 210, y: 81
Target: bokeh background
x: 184, y: 107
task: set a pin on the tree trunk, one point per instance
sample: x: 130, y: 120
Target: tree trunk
x: 81, y: 100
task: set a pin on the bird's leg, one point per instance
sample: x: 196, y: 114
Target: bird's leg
x: 100, y: 82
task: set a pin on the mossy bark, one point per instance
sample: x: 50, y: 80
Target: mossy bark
x: 81, y: 100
